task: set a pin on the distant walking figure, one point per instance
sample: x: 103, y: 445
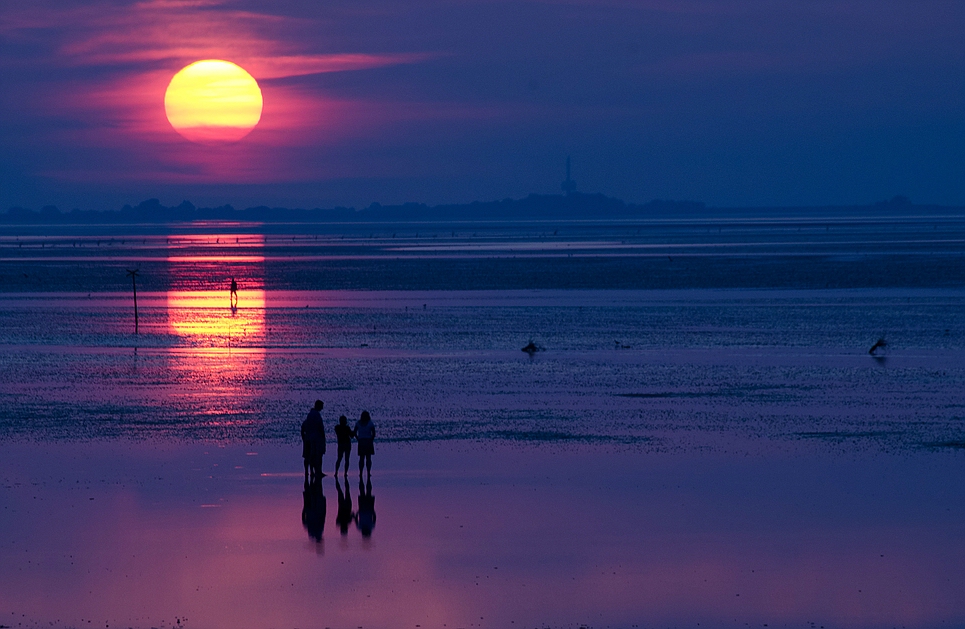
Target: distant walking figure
x: 365, y: 435
x: 313, y: 442
x: 343, y: 435
x: 234, y: 293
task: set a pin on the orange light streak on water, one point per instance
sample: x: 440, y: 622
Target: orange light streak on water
x: 220, y: 340
x: 205, y: 320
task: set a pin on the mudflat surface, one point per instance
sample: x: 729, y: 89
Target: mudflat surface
x: 664, y: 370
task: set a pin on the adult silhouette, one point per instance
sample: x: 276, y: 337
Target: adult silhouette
x: 233, y: 295
x: 365, y: 516
x: 313, y: 442
x: 365, y: 435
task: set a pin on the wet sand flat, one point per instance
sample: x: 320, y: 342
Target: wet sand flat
x: 128, y: 534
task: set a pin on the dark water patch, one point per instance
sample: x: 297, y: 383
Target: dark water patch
x: 664, y: 395
x: 939, y: 445
x: 731, y: 392
x: 524, y: 436
x: 841, y: 435
x: 556, y: 436
x: 942, y: 269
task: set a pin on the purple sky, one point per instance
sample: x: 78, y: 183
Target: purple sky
x: 731, y: 102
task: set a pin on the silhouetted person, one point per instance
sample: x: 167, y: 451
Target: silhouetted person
x: 343, y: 435
x: 313, y: 440
x: 234, y: 293
x: 314, y: 509
x: 365, y: 517
x: 365, y: 435
x: 345, y: 515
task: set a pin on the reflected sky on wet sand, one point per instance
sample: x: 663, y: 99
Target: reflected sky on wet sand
x: 141, y: 535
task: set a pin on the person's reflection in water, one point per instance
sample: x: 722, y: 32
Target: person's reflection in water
x: 345, y: 514
x: 313, y: 511
x: 365, y: 517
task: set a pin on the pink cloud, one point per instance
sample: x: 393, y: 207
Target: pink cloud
x: 301, y: 65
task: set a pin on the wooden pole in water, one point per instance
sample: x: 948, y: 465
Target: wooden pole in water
x: 133, y: 276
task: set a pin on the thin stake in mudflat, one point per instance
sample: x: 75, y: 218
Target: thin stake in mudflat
x: 133, y: 275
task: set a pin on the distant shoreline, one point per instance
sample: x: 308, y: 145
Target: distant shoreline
x: 576, y: 206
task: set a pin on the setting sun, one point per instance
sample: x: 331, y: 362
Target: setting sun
x: 213, y: 102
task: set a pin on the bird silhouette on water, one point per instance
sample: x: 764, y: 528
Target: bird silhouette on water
x: 532, y: 348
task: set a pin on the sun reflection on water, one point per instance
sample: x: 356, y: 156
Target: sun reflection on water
x: 205, y: 320
x: 219, y: 342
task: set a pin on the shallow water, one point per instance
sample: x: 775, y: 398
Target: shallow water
x: 803, y: 249
x: 122, y: 534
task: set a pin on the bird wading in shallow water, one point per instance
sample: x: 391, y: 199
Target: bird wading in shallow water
x: 881, y: 343
x: 532, y: 348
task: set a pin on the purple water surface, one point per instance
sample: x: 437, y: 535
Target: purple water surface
x: 122, y: 534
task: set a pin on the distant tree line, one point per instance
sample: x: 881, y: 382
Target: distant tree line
x: 535, y: 206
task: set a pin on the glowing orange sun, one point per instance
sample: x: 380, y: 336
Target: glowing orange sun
x: 213, y: 102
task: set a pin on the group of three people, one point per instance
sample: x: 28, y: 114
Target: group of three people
x: 314, y: 445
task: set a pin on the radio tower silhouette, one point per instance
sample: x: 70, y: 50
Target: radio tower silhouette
x: 568, y: 186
